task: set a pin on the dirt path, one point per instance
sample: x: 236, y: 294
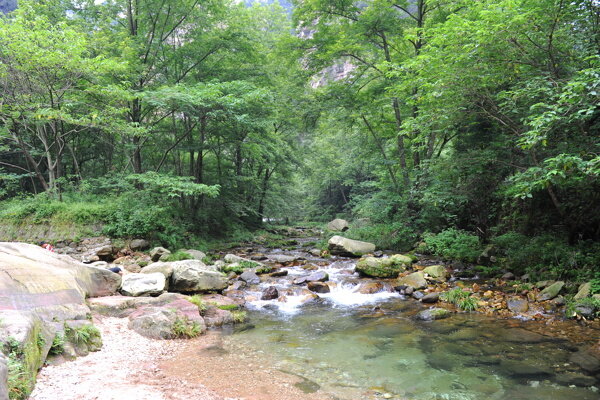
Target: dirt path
x: 130, y: 366
x: 125, y: 368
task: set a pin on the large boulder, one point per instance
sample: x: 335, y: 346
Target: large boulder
x: 433, y: 314
x: 388, y: 267
x: 165, y: 268
x: 338, y: 225
x: 143, y: 284
x: 584, y: 291
x: 518, y: 305
x: 551, y: 291
x: 157, y: 252
x: 139, y: 244
x: 161, y: 321
x: 192, y: 276
x: 216, y: 317
x: 270, y: 293
x: 437, y: 272
x: 416, y: 280
x: 318, y: 287
x: 347, y: 247
x: 40, y: 292
x: 250, y: 277
x: 196, y: 254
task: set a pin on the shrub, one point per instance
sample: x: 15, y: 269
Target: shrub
x: 549, y: 257
x: 394, y: 236
x: 239, y: 316
x: 461, y: 298
x: 85, y: 334
x: 58, y: 344
x: 184, y: 328
x: 454, y: 244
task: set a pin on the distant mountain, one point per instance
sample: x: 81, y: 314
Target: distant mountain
x: 7, y: 6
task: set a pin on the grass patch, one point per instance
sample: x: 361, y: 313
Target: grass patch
x: 239, y: 316
x: 85, y: 334
x: 228, y: 307
x: 199, y: 302
x: 178, y: 256
x: 58, y: 344
x: 184, y: 328
x: 460, y: 298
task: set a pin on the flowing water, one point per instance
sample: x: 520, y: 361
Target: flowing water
x: 357, y: 346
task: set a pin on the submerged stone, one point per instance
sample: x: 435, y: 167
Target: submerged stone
x: 433, y: 314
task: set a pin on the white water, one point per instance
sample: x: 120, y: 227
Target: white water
x: 343, y: 293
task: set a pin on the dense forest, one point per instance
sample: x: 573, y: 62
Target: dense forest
x: 456, y: 125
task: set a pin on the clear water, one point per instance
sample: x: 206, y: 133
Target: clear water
x: 387, y: 351
x: 370, y: 346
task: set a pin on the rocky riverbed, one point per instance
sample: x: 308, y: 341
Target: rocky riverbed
x: 321, y: 325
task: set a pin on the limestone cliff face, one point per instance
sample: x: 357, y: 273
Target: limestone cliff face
x: 7, y: 5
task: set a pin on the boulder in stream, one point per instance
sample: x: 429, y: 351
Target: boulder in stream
x: 143, y: 284
x: 433, y: 314
x: 551, y: 291
x: 338, y: 225
x: 416, y: 280
x: 430, y: 298
x: 437, y: 272
x: 250, y: 277
x: 318, y: 287
x: 157, y: 252
x: 191, y: 276
x: 388, y: 267
x: 270, y: 293
x: 342, y: 246
x: 518, y: 305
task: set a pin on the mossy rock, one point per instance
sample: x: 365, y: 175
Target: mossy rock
x: 383, y: 267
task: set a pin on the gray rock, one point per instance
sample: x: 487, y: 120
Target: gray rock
x: 433, y: 314
x: 318, y: 287
x: 543, y: 284
x: 215, y: 317
x: 509, y: 276
x: 139, y: 244
x: 388, y: 267
x: 315, y: 252
x: 338, y: 225
x: 165, y: 268
x: 559, y: 300
x: 339, y: 245
x: 586, y: 361
x: 283, y: 259
x: 430, y: 298
x: 157, y: 252
x: 416, y: 280
x: 189, y: 277
x: 157, y: 321
x: 250, y: 277
x: 318, y: 276
x: 573, y: 378
x: 584, y: 291
x: 585, y: 310
x: 270, y: 293
x: 517, y: 305
x: 550, y: 292
x: 519, y: 369
x: 418, y: 295
x: 196, y: 254
x: 105, y: 251
x: 143, y: 284
x: 437, y: 272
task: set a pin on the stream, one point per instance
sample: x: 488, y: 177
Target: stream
x: 350, y: 344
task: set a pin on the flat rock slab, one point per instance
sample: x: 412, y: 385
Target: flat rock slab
x: 151, y: 284
x: 342, y: 246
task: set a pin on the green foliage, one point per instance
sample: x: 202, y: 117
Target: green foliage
x: 454, y: 244
x: 40, y: 341
x: 199, y: 302
x: 85, y: 334
x: 58, y: 344
x: 390, y: 236
x: 184, y: 328
x: 178, y: 256
x: 228, y: 307
x: 548, y: 256
x: 239, y: 316
x: 19, y: 381
x: 595, y: 289
x: 591, y: 302
x: 486, y: 272
x: 462, y: 299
